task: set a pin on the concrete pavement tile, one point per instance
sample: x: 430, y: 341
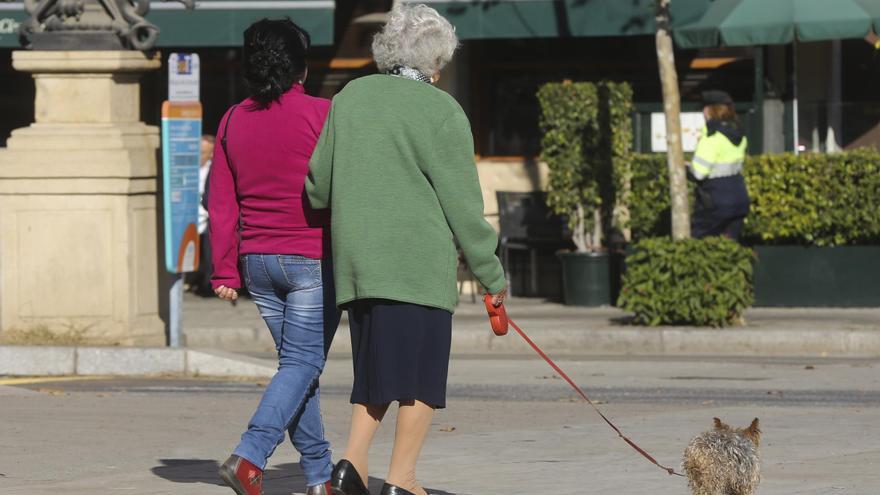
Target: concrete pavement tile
x: 36, y: 360
x: 218, y: 363
x: 129, y: 361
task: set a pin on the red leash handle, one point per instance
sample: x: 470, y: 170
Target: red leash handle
x: 497, y: 316
x: 499, y: 320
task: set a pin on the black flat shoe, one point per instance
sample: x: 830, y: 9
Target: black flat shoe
x: 388, y: 489
x: 345, y: 480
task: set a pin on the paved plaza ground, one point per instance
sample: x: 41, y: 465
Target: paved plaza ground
x: 511, y: 427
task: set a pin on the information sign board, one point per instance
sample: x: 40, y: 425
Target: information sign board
x: 181, y: 140
x: 183, y: 77
x: 691, y: 126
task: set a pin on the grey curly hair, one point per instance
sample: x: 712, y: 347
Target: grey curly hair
x: 415, y: 36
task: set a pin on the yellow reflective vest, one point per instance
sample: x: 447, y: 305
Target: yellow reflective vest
x: 716, y: 156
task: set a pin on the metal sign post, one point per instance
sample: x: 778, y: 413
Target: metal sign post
x: 181, y: 155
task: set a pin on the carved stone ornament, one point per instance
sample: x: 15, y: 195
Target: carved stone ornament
x: 89, y: 25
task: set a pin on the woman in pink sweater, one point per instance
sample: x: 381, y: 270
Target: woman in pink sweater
x: 265, y: 235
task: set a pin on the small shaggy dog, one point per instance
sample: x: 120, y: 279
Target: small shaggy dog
x: 724, y: 460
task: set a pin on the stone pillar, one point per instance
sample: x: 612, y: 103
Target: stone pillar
x: 78, y: 202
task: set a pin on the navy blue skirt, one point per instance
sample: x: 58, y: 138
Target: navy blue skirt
x: 400, y: 352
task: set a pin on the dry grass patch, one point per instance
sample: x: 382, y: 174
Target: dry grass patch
x: 42, y: 335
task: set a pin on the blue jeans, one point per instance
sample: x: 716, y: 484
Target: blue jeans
x: 296, y: 299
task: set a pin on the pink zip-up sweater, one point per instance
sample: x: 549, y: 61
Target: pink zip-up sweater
x: 256, y: 198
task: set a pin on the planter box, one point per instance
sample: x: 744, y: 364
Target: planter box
x: 590, y: 279
x: 844, y: 276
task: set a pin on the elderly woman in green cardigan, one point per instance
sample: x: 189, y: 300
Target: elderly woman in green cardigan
x: 395, y: 165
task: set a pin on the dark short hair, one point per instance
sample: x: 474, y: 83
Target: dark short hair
x: 275, y: 53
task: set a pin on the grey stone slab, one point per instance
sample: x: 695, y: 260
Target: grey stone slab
x: 771, y: 342
x: 239, y: 338
x: 129, y: 361
x: 864, y: 343
x: 217, y: 363
x: 36, y: 360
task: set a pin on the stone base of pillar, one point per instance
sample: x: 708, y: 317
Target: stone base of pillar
x: 78, y: 203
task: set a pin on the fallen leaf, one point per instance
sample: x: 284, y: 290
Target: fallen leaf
x: 51, y: 391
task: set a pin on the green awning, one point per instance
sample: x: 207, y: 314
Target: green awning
x: 767, y: 22
x: 213, y: 23
x: 11, y: 14
x: 481, y: 19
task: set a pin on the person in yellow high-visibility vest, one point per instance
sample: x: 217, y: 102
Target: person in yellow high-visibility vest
x: 722, y: 201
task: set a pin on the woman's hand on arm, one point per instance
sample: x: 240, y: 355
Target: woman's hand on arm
x: 226, y: 293
x: 498, y: 299
x: 321, y: 167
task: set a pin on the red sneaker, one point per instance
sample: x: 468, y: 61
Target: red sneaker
x: 242, y: 476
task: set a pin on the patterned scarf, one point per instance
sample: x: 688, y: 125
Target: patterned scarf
x: 409, y: 73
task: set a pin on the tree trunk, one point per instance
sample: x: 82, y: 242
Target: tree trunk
x: 597, y: 229
x: 621, y: 213
x: 678, y: 190
x: 579, y: 233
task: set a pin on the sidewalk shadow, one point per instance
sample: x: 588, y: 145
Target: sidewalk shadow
x: 627, y: 320
x: 375, y: 486
x: 282, y: 479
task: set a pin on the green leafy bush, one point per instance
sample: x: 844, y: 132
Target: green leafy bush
x: 814, y: 199
x: 694, y: 281
x: 808, y: 199
x: 649, y: 202
x: 586, y: 142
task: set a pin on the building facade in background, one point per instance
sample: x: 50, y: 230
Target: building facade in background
x: 509, y: 48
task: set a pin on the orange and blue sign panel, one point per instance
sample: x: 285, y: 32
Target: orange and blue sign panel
x: 181, y: 140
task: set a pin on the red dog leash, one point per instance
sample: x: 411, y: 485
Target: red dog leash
x: 499, y: 321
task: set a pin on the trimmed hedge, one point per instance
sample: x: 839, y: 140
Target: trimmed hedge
x: 808, y: 199
x: 814, y: 199
x: 693, y: 281
x: 649, y: 205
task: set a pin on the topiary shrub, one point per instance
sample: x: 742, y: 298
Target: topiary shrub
x: 586, y: 142
x: 615, y: 149
x: 688, y: 282
x: 570, y: 129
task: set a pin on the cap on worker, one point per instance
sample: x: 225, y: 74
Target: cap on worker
x: 716, y: 97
